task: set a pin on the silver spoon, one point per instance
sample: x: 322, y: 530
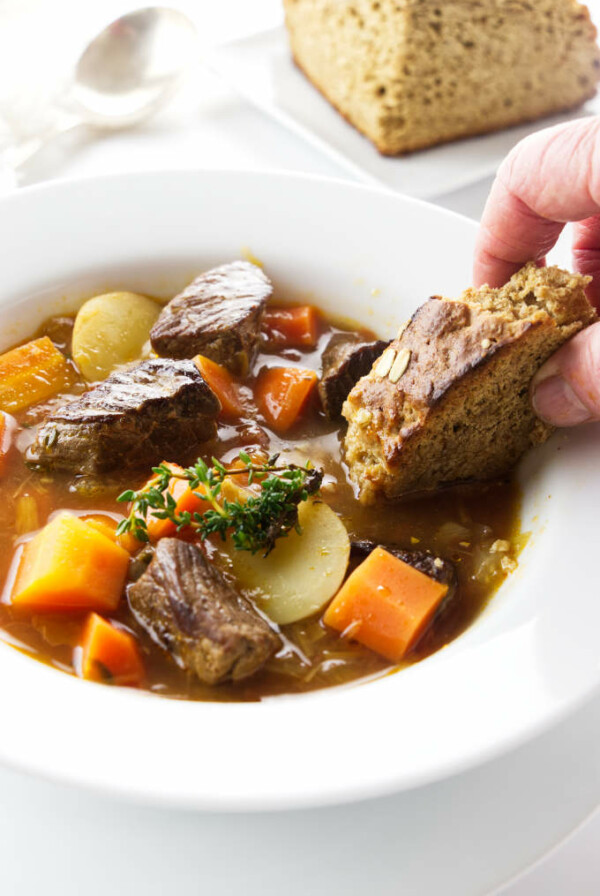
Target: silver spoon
x: 127, y: 72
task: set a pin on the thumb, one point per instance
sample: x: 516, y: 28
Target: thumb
x: 566, y: 390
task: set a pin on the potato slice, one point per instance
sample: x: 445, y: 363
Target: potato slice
x: 303, y: 572
x: 111, y: 330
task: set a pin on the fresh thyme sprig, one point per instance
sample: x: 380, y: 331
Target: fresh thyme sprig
x: 254, y: 524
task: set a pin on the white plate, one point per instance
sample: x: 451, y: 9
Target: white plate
x: 461, y: 837
x: 531, y: 656
x: 260, y: 68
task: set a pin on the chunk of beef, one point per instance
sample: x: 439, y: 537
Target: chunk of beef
x: 133, y: 419
x: 441, y: 570
x: 345, y: 360
x: 218, y: 315
x: 187, y: 606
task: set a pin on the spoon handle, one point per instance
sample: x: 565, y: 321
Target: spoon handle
x: 15, y: 157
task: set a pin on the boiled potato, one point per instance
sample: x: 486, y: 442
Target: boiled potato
x: 111, y: 330
x: 302, y: 572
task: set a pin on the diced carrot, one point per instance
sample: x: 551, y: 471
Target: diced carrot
x: 70, y: 566
x: 108, y: 526
x: 32, y: 373
x: 294, y: 326
x: 223, y: 385
x: 386, y: 604
x: 281, y: 394
x: 186, y: 499
x: 104, y: 524
x: 257, y: 457
x: 110, y: 654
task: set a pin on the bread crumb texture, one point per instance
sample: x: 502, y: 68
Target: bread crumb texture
x: 460, y: 410
x: 414, y: 73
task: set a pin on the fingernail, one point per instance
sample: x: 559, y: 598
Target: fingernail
x: 554, y: 401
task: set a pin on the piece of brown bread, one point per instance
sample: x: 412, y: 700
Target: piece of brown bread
x: 414, y: 73
x: 448, y: 401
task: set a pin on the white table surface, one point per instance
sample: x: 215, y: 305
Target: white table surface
x: 59, y: 841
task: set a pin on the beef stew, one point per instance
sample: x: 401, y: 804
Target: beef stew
x: 237, y: 524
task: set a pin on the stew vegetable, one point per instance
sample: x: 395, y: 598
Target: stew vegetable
x: 175, y: 512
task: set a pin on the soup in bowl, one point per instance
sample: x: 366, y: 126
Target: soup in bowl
x: 179, y: 519
x: 243, y: 564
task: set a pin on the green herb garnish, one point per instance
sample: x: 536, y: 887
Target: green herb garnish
x: 254, y: 524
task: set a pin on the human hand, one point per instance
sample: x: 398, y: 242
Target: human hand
x: 549, y: 179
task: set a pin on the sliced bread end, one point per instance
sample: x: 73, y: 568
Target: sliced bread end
x: 448, y: 401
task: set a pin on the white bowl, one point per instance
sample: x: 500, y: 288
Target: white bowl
x: 528, y: 659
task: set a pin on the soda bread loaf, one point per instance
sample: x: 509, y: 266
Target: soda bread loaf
x: 413, y: 73
x: 448, y: 401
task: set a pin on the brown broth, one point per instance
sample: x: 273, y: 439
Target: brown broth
x: 460, y: 524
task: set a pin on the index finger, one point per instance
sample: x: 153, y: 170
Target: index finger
x: 550, y: 178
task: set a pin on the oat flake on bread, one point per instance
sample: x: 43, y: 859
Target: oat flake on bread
x: 460, y: 410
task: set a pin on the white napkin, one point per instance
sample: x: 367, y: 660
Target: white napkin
x: 40, y: 41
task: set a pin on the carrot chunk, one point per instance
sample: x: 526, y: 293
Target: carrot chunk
x: 281, y: 394
x: 108, y: 526
x: 223, y: 385
x: 258, y: 457
x: 186, y: 499
x: 385, y: 604
x: 31, y: 373
x: 292, y: 327
x: 70, y: 566
x: 110, y: 654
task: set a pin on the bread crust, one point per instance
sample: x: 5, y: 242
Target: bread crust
x: 456, y: 407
